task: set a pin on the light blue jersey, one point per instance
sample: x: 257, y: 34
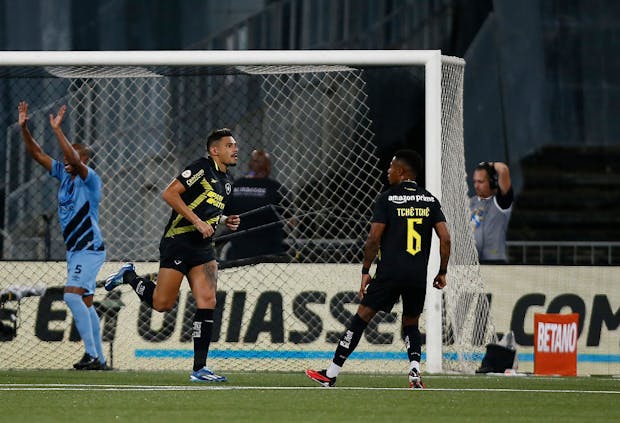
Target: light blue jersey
x: 78, y: 209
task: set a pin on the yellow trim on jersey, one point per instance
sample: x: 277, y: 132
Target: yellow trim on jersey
x: 190, y: 228
x: 208, y: 195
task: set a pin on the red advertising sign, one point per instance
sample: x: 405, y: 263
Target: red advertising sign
x: 555, y: 344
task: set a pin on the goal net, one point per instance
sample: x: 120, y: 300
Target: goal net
x: 145, y: 117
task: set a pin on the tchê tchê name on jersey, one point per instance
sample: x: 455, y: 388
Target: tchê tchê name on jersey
x: 413, y: 211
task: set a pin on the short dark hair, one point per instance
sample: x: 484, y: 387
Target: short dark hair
x: 491, y: 173
x: 217, y: 135
x: 412, y: 160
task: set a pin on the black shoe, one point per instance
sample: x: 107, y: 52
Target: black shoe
x: 104, y: 366
x: 100, y: 366
x: 87, y: 362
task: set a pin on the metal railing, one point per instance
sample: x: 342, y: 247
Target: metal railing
x: 587, y: 253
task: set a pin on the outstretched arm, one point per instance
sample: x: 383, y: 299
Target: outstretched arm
x: 70, y: 154
x: 33, y: 148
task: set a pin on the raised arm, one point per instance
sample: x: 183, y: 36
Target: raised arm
x: 503, y: 176
x: 33, y: 148
x: 71, y: 155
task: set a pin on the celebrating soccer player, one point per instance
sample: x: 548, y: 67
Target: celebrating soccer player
x: 79, y: 194
x: 197, y: 197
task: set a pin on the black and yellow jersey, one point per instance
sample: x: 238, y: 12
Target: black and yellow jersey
x: 207, y: 190
x: 410, y: 214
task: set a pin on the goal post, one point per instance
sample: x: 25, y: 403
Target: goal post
x: 146, y: 113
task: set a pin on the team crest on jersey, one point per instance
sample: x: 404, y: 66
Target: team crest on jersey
x: 228, y: 188
x: 186, y: 173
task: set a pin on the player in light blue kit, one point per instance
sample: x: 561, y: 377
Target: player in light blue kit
x: 79, y: 194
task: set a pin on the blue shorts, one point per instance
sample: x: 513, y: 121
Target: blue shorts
x: 82, y: 269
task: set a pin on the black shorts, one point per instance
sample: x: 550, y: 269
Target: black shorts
x: 383, y: 294
x: 180, y: 255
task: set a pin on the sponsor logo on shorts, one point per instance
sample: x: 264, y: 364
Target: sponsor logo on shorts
x: 177, y: 262
x: 186, y: 173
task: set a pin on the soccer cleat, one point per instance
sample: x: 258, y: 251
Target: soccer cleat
x: 415, y: 380
x: 103, y: 366
x: 87, y: 362
x: 206, y: 375
x: 116, y: 279
x: 321, y: 378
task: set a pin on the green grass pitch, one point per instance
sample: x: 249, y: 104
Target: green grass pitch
x: 122, y: 396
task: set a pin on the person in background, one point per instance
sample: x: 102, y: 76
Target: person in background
x: 79, y: 195
x: 491, y: 208
x: 262, y: 201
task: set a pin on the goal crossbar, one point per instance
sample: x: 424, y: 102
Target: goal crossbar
x: 220, y: 57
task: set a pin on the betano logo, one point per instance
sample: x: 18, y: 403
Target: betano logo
x: 556, y: 337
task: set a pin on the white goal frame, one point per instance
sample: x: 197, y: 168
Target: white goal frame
x: 430, y: 59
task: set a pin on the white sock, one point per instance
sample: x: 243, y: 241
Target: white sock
x: 333, y: 370
x: 414, y: 365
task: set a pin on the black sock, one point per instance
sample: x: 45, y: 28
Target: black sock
x: 203, y: 326
x: 413, y: 341
x: 349, y: 340
x: 143, y: 287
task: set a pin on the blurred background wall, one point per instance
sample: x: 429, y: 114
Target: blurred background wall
x: 542, y: 82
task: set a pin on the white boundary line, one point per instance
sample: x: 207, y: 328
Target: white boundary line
x: 81, y: 387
